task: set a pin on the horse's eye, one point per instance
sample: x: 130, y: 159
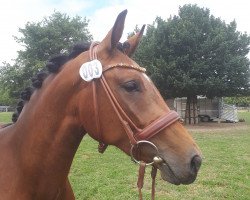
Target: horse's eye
x: 131, y: 86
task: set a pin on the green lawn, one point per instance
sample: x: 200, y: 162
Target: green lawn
x: 5, y: 117
x: 244, y: 115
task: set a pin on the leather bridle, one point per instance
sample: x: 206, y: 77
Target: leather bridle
x: 135, y: 134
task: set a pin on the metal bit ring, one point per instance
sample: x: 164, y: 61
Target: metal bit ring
x: 136, y: 145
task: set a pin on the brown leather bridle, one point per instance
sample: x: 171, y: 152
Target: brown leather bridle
x: 135, y: 134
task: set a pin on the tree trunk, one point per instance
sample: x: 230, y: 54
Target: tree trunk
x: 191, y: 114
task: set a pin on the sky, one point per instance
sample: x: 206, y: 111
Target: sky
x: 14, y: 14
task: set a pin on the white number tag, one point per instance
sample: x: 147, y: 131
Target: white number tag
x: 90, y: 70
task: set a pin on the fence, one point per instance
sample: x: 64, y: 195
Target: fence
x: 229, y: 113
x: 4, y: 108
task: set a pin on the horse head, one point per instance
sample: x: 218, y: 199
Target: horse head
x: 128, y: 110
x: 97, y: 90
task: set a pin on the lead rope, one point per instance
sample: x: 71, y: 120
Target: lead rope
x: 140, y: 181
x: 153, y: 176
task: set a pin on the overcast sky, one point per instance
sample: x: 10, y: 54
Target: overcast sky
x: 15, y: 14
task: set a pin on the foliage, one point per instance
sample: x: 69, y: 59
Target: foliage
x: 5, y: 98
x: 42, y: 40
x: 239, y: 101
x: 195, y: 53
x: 136, y: 30
x: 53, y: 35
x: 11, y: 78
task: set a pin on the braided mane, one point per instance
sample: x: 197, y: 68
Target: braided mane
x: 53, y: 66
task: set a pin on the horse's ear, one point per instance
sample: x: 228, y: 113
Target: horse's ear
x: 133, y: 42
x: 114, y: 35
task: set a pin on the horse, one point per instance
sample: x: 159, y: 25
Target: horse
x: 100, y: 91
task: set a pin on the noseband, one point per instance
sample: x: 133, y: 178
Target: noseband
x: 136, y: 135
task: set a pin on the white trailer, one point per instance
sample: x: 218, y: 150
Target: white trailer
x: 209, y: 109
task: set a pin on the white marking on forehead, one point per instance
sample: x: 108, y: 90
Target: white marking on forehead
x: 147, y: 77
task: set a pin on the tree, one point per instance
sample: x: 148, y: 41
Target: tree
x: 11, y: 77
x: 4, y: 98
x: 42, y: 40
x: 242, y: 101
x: 195, y: 53
x: 136, y: 30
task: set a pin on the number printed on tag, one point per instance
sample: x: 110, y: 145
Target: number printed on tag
x: 90, y: 70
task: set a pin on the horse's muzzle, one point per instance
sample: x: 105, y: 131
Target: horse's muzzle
x: 187, y: 176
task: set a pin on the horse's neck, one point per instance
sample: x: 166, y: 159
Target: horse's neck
x: 48, y: 134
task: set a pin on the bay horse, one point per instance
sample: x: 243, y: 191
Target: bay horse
x: 97, y: 90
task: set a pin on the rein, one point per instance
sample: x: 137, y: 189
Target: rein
x: 136, y: 135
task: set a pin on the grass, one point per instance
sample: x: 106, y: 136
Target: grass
x: 5, y: 117
x: 244, y: 115
x: 225, y: 172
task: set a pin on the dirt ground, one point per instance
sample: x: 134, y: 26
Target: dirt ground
x: 215, y: 126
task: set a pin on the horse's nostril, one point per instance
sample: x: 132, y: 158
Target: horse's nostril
x: 196, y: 163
